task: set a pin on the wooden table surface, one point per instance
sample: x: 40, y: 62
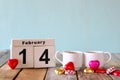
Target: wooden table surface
x: 48, y: 73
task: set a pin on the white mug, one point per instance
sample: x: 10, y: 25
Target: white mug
x: 71, y: 56
x: 102, y: 57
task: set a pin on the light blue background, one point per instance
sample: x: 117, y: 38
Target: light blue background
x: 74, y: 24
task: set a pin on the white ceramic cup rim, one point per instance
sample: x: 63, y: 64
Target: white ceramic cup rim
x: 95, y: 52
x: 72, y: 52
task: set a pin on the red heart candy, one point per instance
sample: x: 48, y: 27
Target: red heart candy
x: 69, y: 66
x: 12, y: 63
x: 100, y: 70
x: 116, y: 73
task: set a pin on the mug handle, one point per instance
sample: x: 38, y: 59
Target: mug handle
x: 58, y: 52
x: 109, y: 54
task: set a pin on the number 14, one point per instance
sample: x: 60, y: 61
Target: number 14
x: 43, y: 57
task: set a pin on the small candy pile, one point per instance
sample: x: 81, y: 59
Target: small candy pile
x: 68, y: 69
x: 94, y: 67
x: 110, y: 70
x: 99, y: 70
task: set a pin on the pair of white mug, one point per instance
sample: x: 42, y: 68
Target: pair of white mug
x: 83, y: 58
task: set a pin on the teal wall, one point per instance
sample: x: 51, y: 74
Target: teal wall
x: 75, y: 24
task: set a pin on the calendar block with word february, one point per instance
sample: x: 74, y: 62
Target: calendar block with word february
x: 35, y: 53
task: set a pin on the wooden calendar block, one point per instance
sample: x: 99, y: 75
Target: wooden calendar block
x: 44, y: 56
x: 24, y: 56
x: 33, y: 52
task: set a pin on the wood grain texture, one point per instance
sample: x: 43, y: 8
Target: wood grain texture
x: 48, y: 74
x: 7, y: 74
x: 51, y: 75
x: 4, y: 56
x: 32, y: 74
x: 115, y: 77
x: 93, y: 76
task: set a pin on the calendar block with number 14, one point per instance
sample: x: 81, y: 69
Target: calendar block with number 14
x: 35, y: 53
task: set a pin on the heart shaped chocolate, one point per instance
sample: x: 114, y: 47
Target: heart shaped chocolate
x: 94, y: 64
x: 69, y: 66
x: 12, y: 63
